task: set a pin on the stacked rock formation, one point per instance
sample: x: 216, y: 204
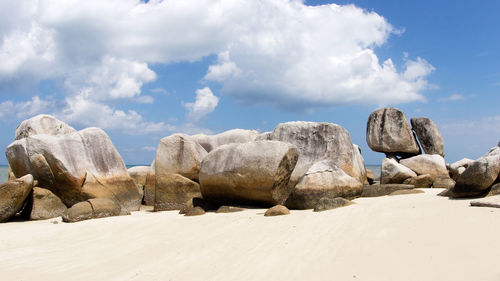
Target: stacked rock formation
x: 388, y: 131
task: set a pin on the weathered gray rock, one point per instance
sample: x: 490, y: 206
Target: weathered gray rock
x: 139, y: 174
x: 11, y: 175
x: 422, y: 181
x: 278, y: 210
x: 317, y: 142
x: 144, y: 178
x: 42, y: 124
x: 253, y: 172
x: 78, y: 212
x: 443, y: 182
x: 323, y: 180
x: 197, y: 202
x: 93, y: 209
x: 492, y: 202
x: 326, y: 203
x: 210, y: 142
x: 376, y: 190
x: 405, y: 192
x: 358, y: 167
x: 459, y: 167
x: 264, y: 136
x: 12, y: 196
x: 370, y: 176
x: 149, y: 190
x: 478, y: 177
x: 75, y: 166
x: 196, y: 211
x: 388, y: 131
x: 393, y: 172
x: 179, y: 154
x: 429, y: 136
x: 104, y: 207
x: 172, y: 191
x: 494, y: 151
x: 228, y: 209
x: 45, y: 205
x: 427, y: 164
x: 494, y: 190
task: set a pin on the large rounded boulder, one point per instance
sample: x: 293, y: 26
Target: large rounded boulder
x: 75, y: 166
x: 388, y: 131
x: 42, y: 125
x: 254, y: 173
x: 321, y: 141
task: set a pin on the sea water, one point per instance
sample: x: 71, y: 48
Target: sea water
x: 4, y: 172
x: 375, y: 169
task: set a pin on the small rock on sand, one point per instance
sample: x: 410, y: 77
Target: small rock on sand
x: 278, y: 210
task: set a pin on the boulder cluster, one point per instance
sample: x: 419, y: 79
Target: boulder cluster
x: 55, y: 170
x: 389, y: 132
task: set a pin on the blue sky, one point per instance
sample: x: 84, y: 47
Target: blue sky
x: 142, y: 71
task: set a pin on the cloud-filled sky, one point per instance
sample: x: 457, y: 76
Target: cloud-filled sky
x: 144, y: 70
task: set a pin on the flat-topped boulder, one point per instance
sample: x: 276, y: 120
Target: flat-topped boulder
x: 210, y: 142
x: 428, y: 135
x: 320, y: 141
x: 388, y: 131
x: 42, y: 124
x: 255, y: 173
x: 323, y: 180
x: 427, y: 164
x: 12, y: 196
x: 76, y: 166
x: 393, y: 172
x: 376, y: 190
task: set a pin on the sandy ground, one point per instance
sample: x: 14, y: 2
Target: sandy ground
x: 405, y: 237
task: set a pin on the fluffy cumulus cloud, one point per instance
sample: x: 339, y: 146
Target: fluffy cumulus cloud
x: 10, y: 109
x: 205, y: 103
x: 278, y: 52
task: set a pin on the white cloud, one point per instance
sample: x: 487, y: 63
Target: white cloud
x: 453, y: 97
x: 205, y: 103
x: 10, y: 109
x: 82, y: 111
x: 111, y: 79
x: 279, y: 52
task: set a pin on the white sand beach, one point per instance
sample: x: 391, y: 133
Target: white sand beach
x: 405, y: 237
